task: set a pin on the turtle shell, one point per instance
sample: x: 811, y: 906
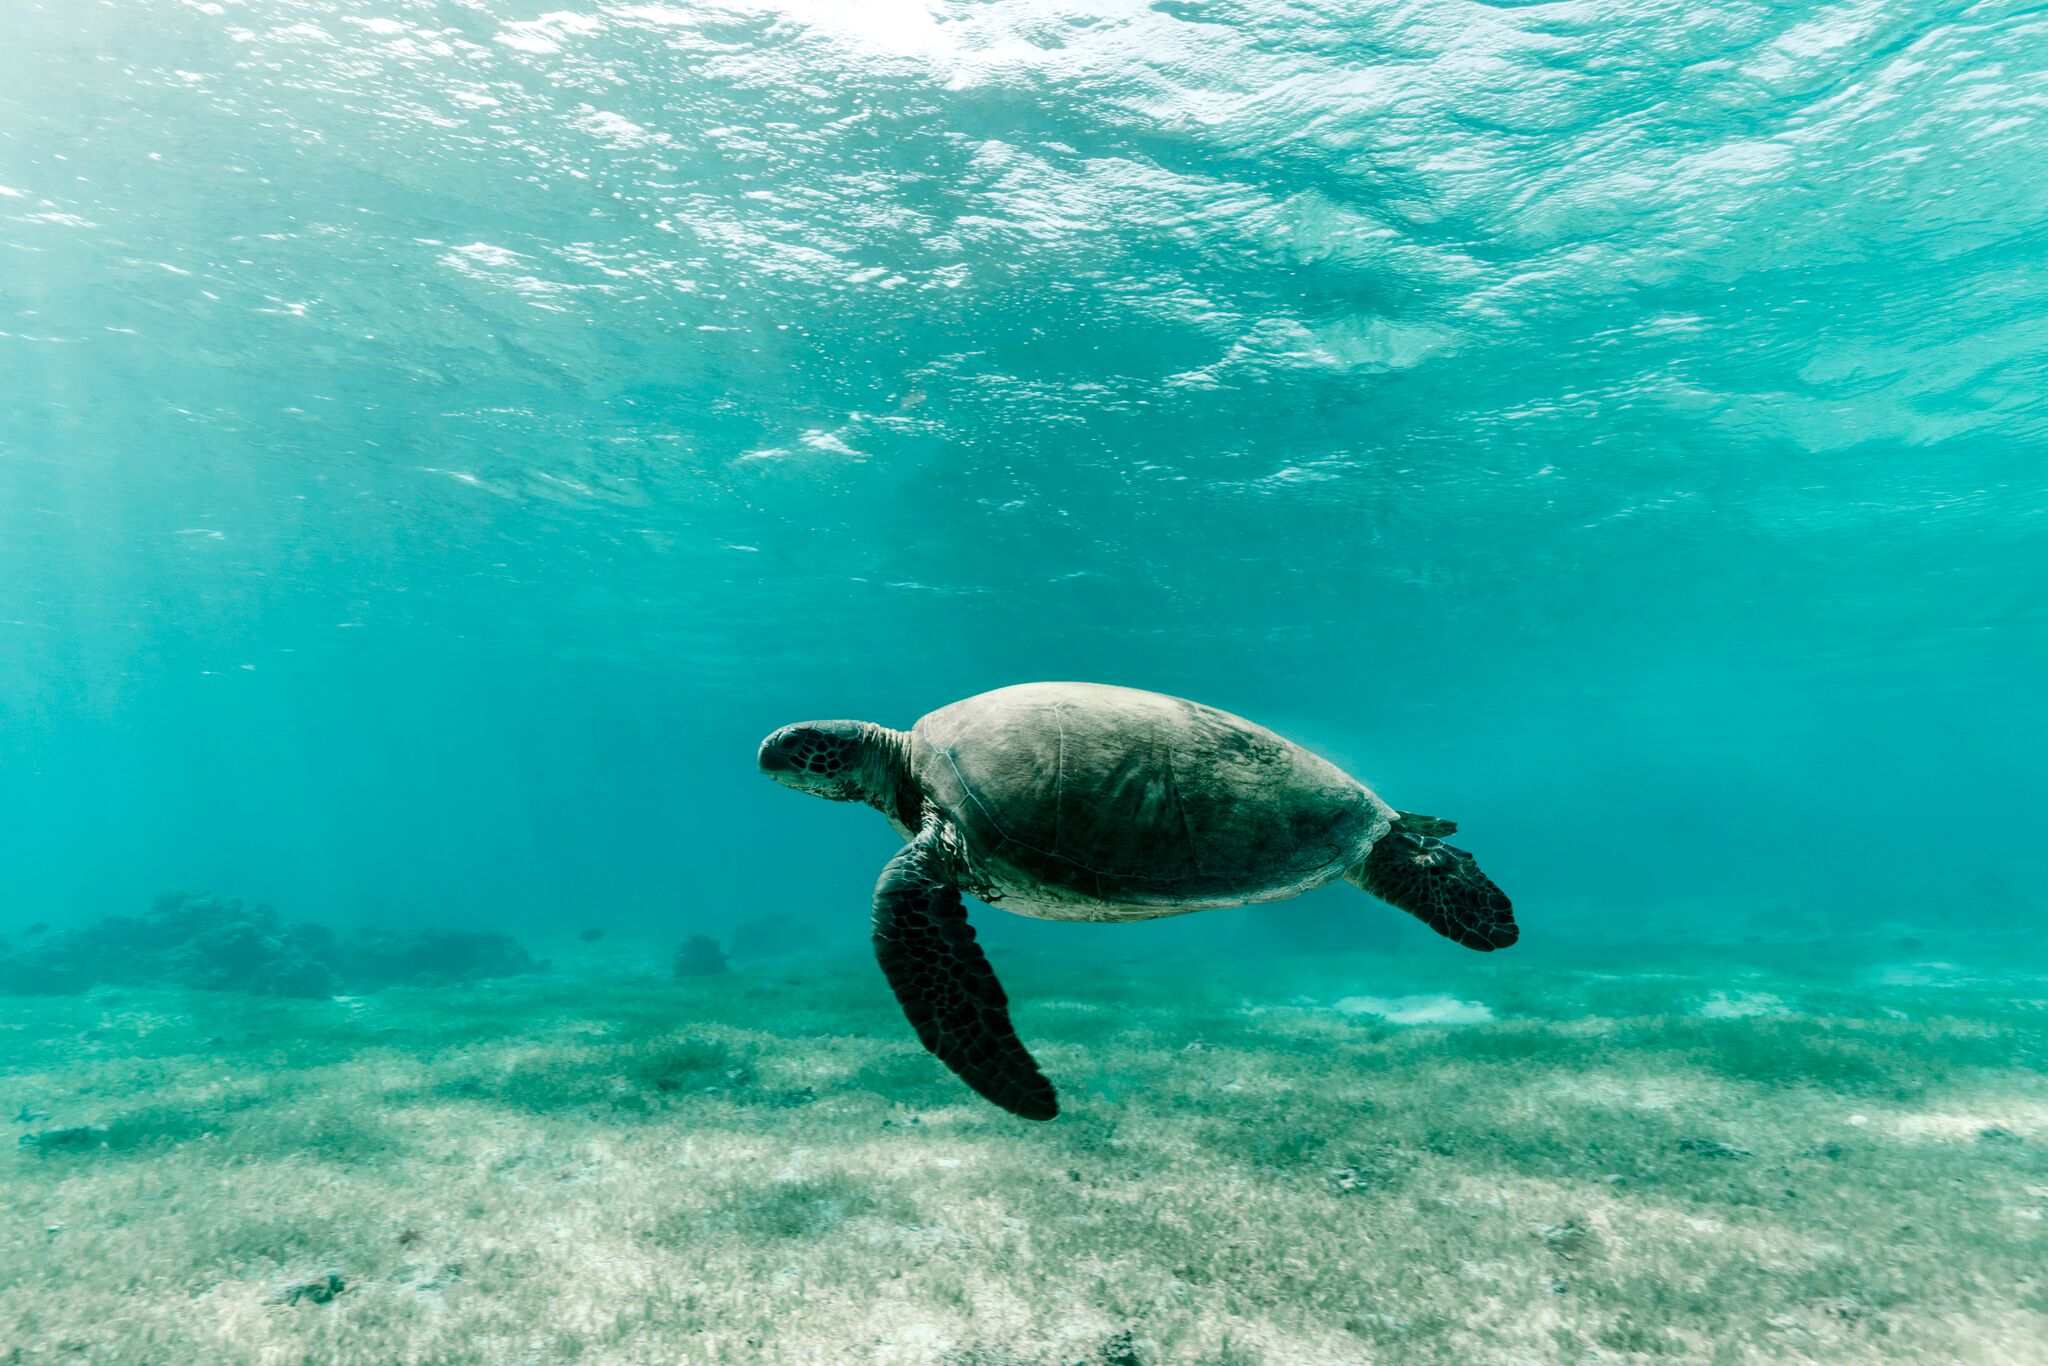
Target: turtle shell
x: 1084, y: 793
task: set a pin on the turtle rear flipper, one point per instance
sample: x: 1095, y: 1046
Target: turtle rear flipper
x: 945, y: 985
x: 1415, y: 823
x: 1440, y: 885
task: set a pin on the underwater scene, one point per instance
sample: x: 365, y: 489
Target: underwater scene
x: 1422, y: 628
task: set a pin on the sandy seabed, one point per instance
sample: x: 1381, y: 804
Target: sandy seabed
x: 1419, y: 1157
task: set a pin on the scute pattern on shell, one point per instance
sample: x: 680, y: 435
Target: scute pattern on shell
x: 1106, y: 795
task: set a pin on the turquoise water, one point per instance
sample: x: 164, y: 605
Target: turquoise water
x: 440, y: 438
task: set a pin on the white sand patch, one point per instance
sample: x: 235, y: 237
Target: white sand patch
x: 1633, y: 1092
x: 1417, y: 1010
x: 1741, y: 1005
x: 1932, y: 974
x: 2012, y: 1119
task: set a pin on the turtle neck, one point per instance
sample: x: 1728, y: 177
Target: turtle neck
x: 886, y: 781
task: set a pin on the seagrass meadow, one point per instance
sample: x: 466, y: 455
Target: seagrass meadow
x: 1340, y: 1158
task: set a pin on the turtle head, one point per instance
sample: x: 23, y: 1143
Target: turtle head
x: 829, y: 759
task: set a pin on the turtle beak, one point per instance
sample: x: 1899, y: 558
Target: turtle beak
x: 774, y: 758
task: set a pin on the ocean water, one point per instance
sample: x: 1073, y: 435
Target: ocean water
x: 440, y: 438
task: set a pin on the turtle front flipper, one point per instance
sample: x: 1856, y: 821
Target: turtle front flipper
x: 1440, y: 885
x: 944, y: 982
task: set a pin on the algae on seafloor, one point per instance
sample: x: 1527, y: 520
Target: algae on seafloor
x: 625, y: 1170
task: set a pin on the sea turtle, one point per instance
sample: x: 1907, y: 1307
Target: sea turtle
x: 1081, y: 801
